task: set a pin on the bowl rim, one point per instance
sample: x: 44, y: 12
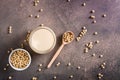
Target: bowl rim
x: 30, y: 40
x: 19, y: 69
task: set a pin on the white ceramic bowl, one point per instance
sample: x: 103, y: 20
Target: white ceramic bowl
x: 45, y: 51
x: 20, y: 69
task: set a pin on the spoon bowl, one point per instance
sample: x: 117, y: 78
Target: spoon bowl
x: 67, y: 37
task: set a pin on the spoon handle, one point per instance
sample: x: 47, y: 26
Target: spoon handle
x: 55, y: 56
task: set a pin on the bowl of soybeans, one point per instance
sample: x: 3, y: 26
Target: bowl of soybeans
x: 19, y: 59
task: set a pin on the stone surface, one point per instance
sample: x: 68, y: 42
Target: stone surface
x: 62, y: 16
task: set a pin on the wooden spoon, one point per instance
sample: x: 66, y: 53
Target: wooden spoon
x: 65, y: 40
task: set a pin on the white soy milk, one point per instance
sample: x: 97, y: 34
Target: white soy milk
x: 42, y: 40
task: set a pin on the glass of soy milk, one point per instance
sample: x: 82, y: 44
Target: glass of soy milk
x: 42, y: 40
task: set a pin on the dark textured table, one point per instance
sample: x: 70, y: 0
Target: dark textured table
x: 61, y: 16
